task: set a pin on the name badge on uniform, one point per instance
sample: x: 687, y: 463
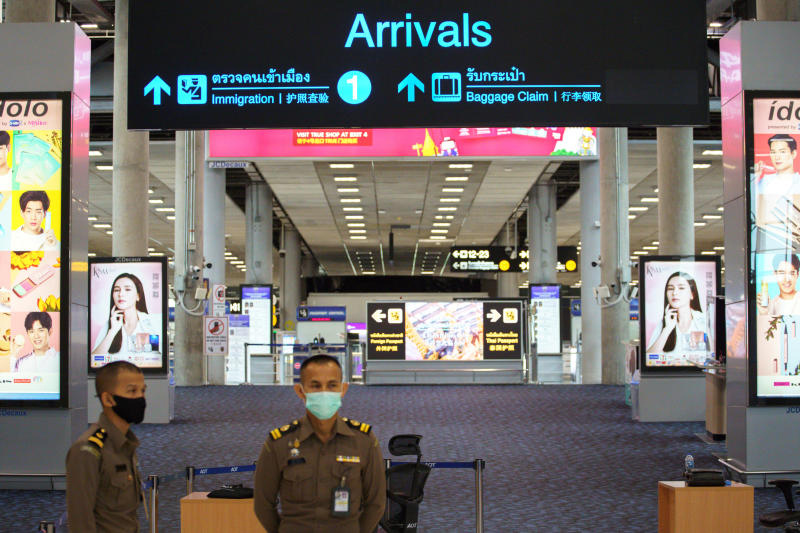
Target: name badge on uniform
x: 348, y: 459
x: 340, y: 504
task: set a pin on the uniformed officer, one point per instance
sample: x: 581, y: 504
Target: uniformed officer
x: 103, y: 480
x: 327, y: 470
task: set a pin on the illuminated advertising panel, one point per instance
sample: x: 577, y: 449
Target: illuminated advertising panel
x: 773, y: 194
x: 128, y: 312
x: 404, y: 142
x: 546, y: 318
x: 257, y: 304
x: 34, y: 222
x: 678, y: 311
x: 444, y: 331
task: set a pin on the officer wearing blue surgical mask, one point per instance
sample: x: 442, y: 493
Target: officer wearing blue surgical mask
x: 326, y: 470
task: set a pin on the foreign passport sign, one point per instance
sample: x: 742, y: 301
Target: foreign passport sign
x: 215, y: 335
x: 445, y: 331
x: 354, y: 63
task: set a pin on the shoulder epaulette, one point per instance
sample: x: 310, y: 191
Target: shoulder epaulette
x: 283, y: 430
x: 95, y: 442
x: 363, y: 427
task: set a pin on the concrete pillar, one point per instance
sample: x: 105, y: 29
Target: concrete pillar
x: 30, y: 11
x: 591, y: 353
x: 131, y: 179
x: 258, y: 246
x: 189, y: 361
x: 778, y: 9
x: 542, y: 233
x: 308, y: 269
x: 614, y: 249
x: 290, y: 289
x: 675, y: 191
x: 507, y: 282
x: 214, y: 230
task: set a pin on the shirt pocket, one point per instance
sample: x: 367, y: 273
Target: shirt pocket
x: 297, y: 484
x: 352, y: 474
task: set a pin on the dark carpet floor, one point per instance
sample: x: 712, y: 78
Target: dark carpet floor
x: 558, y: 458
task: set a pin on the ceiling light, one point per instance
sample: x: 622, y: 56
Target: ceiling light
x: 417, y: 211
x: 720, y: 248
x: 368, y: 272
x: 721, y: 208
x: 649, y: 247
x: 708, y: 252
x: 655, y: 189
x: 151, y: 249
x: 354, y: 217
x: 641, y: 252
x: 350, y: 200
x: 449, y: 200
x: 157, y: 254
x: 456, y: 178
x: 712, y: 217
x: 631, y: 217
x: 357, y: 231
x: 358, y: 237
x: 93, y: 26
x: 655, y: 242
x: 447, y: 208
x: 347, y: 189
x: 228, y: 253
x: 712, y: 152
x: 635, y: 208
x: 342, y: 165
x: 151, y: 191
x: 101, y: 225
x: 170, y: 217
x: 355, y: 224
x: 439, y: 231
x: 156, y: 200
x: 92, y: 254
x: 240, y: 262
x: 437, y: 238
x: 352, y: 209
x: 649, y: 199
x: 104, y: 167
x: 699, y: 224
x: 165, y: 209
x: 449, y: 217
x: 715, y: 25
x: 95, y: 153
x: 109, y: 232
x: 345, y: 178
x: 701, y: 165
x: 452, y: 189
x: 231, y: 258
x: 461, y: 165
x: 91, y: 218
x: 441, y: 224
x: 427, y: 272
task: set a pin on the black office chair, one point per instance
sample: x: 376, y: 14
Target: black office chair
x: 789, y: 518
x: 404, y: 486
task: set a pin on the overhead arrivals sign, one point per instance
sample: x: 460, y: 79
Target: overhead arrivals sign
x: 354, y: 63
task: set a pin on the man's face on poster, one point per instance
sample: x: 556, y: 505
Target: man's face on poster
x: 786, y: 276
x: 782, y: 156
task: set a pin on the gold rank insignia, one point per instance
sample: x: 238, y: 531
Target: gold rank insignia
x: 281, y: 431
x: 355, y: 424
x: 348, y: 459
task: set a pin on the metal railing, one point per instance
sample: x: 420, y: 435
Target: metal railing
x: 742, y: 474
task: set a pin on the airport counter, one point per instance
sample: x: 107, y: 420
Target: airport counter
x: 201, y: 514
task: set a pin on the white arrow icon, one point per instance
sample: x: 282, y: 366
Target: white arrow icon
x: 494, y: 316
x: 379, y: 315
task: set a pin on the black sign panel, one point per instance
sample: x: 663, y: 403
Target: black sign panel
x: 502, y: 330
x: 487, y: 259
x: 416, y: 63
x: 386, y: 331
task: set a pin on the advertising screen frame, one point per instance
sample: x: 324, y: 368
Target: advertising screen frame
x: 750, y: 253
x: 164, y: 311
x: 672, y: 370
x: 64, y: 277
x: 530, y: 316
x: 271, y: 305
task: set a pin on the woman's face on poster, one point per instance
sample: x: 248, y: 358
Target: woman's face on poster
x: 679, y: 294
x: 124, y: 294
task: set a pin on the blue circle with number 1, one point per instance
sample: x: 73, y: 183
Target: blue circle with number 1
x: 354, y: 87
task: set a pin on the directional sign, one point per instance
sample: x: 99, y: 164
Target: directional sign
x: 378, y: 316
x: 494, y: 315
x: 487, y: 259
x: 502, y: 330
x: 386, y: 330
x: 347, y: 64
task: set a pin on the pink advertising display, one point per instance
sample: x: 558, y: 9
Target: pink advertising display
x: 405, y: 142
x: 678, y: 311
x: 126, y: 312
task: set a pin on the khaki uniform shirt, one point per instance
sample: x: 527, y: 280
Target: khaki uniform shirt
x: 103, y: 481
x: 306, y: 485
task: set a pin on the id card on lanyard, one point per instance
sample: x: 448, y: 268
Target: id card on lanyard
x: 340, y: 500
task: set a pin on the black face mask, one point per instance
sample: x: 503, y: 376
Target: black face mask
x: 131, y: 410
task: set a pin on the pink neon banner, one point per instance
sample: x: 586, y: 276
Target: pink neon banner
x: 406, y: 142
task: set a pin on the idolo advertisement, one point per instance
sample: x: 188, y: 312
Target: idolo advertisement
x: 127, y: 312
x: 774, y: 259
x: 444, y: 331
x: 31, y: 149
x: 678, y: 311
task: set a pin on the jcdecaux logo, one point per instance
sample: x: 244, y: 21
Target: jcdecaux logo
x: 409, y: 33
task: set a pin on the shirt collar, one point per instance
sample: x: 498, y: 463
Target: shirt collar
x: 306, y: 429
x: 117, y: 437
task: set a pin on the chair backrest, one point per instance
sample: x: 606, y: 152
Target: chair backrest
x: 405, y: 489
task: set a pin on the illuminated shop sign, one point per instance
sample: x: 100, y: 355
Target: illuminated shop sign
x: 365, y: 64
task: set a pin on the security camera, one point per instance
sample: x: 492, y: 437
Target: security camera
x: 597, y: 262
x: 282, y: 252
x: 209, y: 265
x: 508, y: 249
x: 194, y: 268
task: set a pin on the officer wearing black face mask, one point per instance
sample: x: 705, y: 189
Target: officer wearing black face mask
x: 103, y: 479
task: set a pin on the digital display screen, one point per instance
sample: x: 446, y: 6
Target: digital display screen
x: 444, y: 331
x: 774, y: 246
x: 257, y: 305
x: 546, y: 318
x: 678, y: 311
x: 429, y: 63
x: 33, y: 219
x: 127, y: 312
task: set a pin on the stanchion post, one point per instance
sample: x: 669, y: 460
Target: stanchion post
x: 189, y: 480
x: 153, y: 503
x: 46, y: 527
x: 387, y: 465
x: 478, y: 465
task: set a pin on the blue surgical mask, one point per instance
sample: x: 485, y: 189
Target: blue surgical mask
x: 323, y: 405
